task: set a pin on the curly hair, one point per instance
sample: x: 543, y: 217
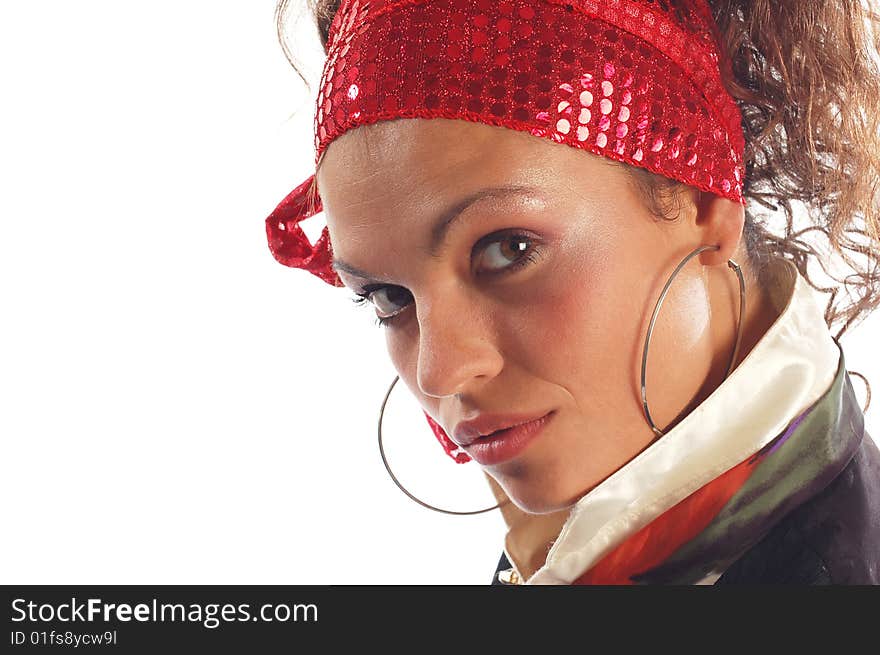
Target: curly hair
x: 806, y: 76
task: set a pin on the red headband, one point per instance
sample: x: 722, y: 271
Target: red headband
x: 638, y: 81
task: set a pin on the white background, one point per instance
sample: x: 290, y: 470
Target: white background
x: 176, y: 406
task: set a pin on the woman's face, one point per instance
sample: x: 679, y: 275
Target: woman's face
x: 536, y: 298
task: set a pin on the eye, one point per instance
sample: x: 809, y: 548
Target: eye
x: 511, y: 250
x: 505, y: 252
x: 388, y: 299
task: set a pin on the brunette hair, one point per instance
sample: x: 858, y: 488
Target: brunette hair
x: 806, y: 78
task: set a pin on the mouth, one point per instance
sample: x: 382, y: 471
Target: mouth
x: 487, y: 424
x: 507, y: 443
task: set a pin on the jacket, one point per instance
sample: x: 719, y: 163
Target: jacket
x: 771, y: 479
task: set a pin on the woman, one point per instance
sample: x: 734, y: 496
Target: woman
x: 514, y: 186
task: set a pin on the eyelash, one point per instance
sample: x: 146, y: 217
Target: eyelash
x: 528, y: 258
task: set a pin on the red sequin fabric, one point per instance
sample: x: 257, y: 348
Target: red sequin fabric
x: 638, y: 81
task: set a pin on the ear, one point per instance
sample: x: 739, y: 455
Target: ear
x: 719, y: 221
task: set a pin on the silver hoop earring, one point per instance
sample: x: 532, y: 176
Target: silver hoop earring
x: 742, y: 310
x: 404, y: 489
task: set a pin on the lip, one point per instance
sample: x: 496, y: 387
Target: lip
x: 466, y: 432
x: 507, y: 443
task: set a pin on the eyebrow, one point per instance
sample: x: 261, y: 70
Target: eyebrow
x: 446, y: 220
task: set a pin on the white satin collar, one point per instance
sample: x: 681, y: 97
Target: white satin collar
x: 792, y: 365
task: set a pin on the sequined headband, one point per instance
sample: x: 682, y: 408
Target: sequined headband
x: 638, y: 81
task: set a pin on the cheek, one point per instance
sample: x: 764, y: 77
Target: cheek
x: 403, y: 351
x: 683, y: 320
x: 578, y: 329
x: 680, y: 352
x: 583, y: 327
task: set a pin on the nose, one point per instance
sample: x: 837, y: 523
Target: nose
x: 457, y: 344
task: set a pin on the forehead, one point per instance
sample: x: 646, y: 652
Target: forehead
x: 406, y: 164
x: 390, y: 159
x: 389, y: 180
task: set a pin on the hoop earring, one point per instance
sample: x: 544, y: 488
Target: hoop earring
x: 404, y: 489
x: 742, y: 310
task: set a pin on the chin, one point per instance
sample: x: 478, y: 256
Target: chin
x: 539, y: 497
x: 542, y: 484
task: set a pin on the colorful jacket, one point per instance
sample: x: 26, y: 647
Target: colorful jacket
x: 772, y: 479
